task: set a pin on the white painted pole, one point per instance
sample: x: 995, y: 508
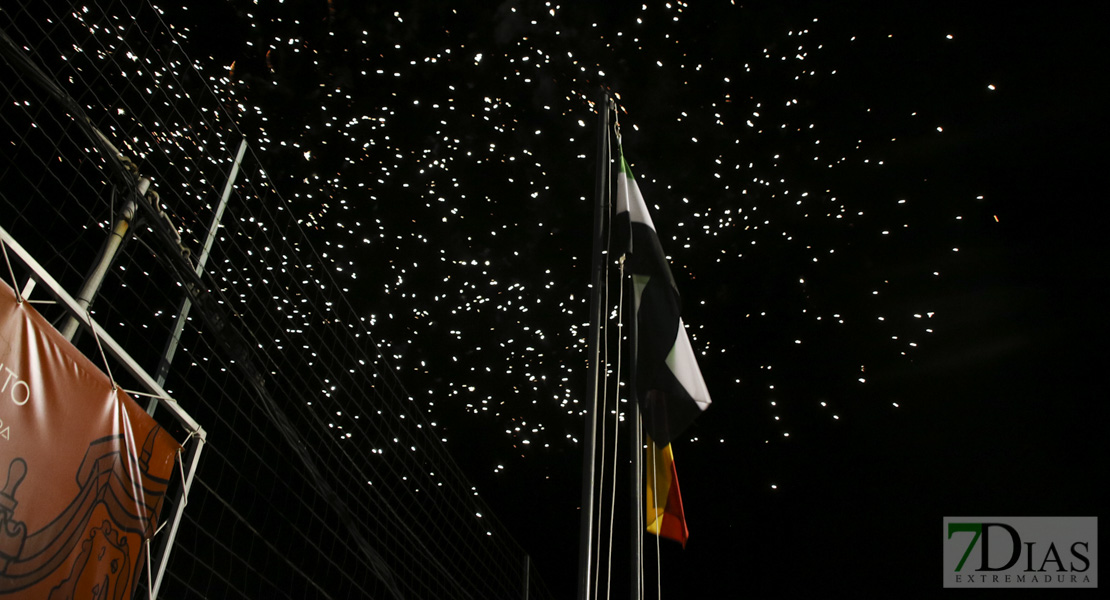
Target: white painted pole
x: 107, y: 256
x: 589, y: 453
x: 202, y: 260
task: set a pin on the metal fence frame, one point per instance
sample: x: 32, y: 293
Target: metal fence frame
x: 188, y: 466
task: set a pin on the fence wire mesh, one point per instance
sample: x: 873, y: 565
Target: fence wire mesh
x: 322, y: 477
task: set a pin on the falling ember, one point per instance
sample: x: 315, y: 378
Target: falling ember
x: 444, y: 179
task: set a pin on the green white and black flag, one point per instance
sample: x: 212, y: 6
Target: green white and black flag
x: 667, y: 382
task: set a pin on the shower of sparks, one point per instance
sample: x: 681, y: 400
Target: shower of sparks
x: 442, y: 163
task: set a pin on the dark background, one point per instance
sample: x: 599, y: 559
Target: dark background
x: 1000, y: 408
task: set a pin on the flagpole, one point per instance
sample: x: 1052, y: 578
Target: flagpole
x: 636, y: 442
x: 589, y: 455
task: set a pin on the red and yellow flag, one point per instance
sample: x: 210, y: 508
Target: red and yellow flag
x: 664, y: 501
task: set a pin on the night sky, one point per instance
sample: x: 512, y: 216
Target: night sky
x: 886, y: 224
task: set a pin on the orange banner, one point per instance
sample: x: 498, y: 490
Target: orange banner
x: 86, y: 469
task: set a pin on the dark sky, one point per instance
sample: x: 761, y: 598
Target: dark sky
x: 885, y: 223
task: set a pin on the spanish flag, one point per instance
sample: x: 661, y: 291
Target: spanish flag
x: 664, y: 502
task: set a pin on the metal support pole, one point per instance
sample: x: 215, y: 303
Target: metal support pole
x: 107, y: 256
x: 527, y: 574
x: 589, y: 454
x: 202, y: 260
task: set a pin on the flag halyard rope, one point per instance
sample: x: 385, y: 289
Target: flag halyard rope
x: 604, y: 339
x: 616, y: 429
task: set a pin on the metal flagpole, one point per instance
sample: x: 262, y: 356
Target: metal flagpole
x: 636, y: 445
x: 527, y: 575
x: 589, y: 454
